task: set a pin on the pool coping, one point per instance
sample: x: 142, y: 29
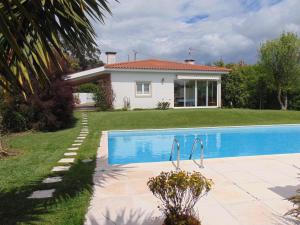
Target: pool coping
x: 210, y: 127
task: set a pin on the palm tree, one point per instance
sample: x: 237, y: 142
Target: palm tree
x: 31, y: 32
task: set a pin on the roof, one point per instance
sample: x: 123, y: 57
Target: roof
x: 153, y: 64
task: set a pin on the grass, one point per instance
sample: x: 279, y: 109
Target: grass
x: 39, y: 152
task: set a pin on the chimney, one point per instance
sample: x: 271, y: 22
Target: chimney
x: 189, y: 61
x: 111, y: 57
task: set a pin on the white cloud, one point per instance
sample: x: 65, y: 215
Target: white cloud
x: 233, y: 29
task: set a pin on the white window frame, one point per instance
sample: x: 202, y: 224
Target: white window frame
x: 143, y: 94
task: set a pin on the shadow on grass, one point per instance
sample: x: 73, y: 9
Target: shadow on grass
x: 15, y: 207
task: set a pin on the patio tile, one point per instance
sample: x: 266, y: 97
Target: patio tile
x: 50, y: 180
x: 60, y: 168
x: 250, y: 213
x: 42, y: 194
x: 67, y: 160
x: 70, y: 153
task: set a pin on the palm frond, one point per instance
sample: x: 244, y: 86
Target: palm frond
x: 31, y: 33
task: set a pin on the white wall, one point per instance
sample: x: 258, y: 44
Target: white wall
x: 123, y: 85
x: 85, y: 98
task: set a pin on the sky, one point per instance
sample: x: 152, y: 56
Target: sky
x: 166, y: 29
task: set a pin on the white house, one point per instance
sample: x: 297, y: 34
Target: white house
x: 144, y: 83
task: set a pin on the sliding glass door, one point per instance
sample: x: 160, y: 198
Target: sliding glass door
x: 190, y: 93
x: 201, y: 93
x: 179, y: 93
x: 195, y: 93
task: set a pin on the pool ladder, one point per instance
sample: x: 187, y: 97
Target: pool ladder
x: 176, y: 143
x: 196, y: 141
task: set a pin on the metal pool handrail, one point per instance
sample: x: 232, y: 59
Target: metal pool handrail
x: 198, y: 140
x: 175, y: 142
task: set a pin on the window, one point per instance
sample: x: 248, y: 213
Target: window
x: 143, y: 88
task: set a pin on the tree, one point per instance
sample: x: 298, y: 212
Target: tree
x: 31, y: 32
x: 85, y: 58
x: 280, y: 59
x: 234, y: 88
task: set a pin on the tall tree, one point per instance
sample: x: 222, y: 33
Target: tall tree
x: 84, y: 58
x: 280, y: 58
x: 31, y: 33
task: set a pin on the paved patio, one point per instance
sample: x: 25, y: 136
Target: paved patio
x: 247, y: 190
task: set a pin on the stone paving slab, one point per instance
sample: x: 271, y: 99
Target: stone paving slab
x: 247, y: 190
x: 79, y: 141
x: 50, y: 180
x: 70, y: 153
x: 87, y: 160
x: 42, y: 194
x: 67, y: 160
x: 73, y: 149
x: 81, y: 137
x: 60, y: 168
x: 76, y: 144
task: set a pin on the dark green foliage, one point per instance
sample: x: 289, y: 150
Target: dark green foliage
x: 48, y: 109
x: 234, y: 89
x: 101, y: 98
x: 15, y: 114
x: 179, y: 192
x: 84, y: 58
x: 87, y: 88
x: 280, y: 59
x: 163, y: 105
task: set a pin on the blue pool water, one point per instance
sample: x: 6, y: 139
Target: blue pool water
x: 155, y: 145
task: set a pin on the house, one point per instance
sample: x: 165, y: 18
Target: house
x: 144, y: 83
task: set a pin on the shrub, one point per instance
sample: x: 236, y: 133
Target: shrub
x: 179, y: 192
x: 14, y: 113
x: 87, y: 88
x: 163, y: 105
x: 52, y: 108
x: 103, y: 98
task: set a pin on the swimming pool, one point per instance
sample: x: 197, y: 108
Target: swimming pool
x: 155, y: 145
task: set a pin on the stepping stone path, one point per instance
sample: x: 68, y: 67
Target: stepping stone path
x: 41, y: 194
x: 81, y: 137
x: 76, y: 144
x: 60, y: 168
x: 67, y: 160
x: 87, y: 160
x: 70, y: 154
x: 73, y: 149
x: 51, y: 180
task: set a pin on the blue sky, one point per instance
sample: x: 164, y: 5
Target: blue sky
x: 214, y: 29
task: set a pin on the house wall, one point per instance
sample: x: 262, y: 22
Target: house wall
x: 124, y: 86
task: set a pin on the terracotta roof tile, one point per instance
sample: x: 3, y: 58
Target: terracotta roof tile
x: 153, y: 64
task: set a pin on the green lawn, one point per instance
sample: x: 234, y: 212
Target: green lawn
x: 39, y: 152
